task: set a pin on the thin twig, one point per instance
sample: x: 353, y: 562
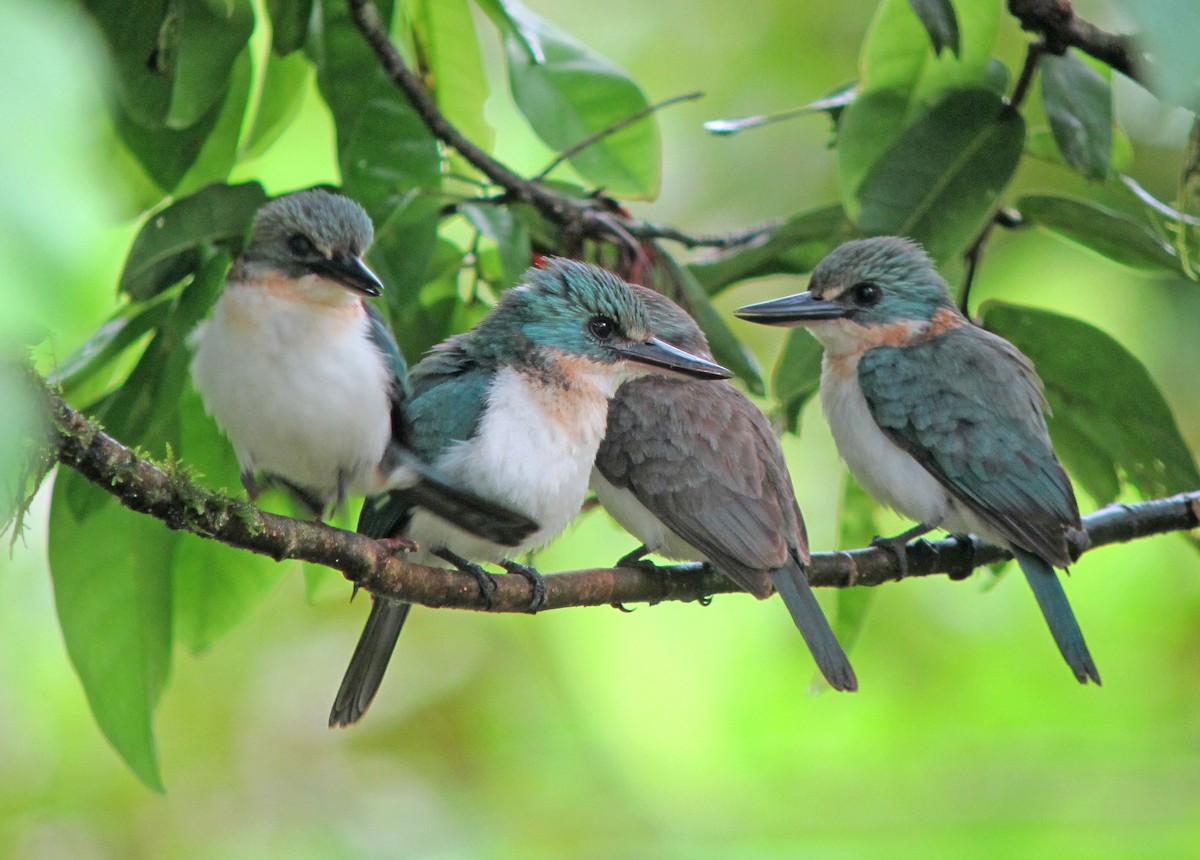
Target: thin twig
x: 181, y: 503
x: 619, y: 125
x: 1033, y: 55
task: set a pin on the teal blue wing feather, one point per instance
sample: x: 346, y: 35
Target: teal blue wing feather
x: 969, y: 407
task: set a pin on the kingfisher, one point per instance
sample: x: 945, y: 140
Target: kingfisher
x: 513, y: 411
x: 304, y: 377
x: 937, y: 418
x: 696, y: 473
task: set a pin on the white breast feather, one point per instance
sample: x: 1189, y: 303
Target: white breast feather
x: 525, y: 456
x: 300, y: 390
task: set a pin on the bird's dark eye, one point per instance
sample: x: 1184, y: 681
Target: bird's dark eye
x: 866, y: 294
x: 301, y: 245
x: 602, y: 327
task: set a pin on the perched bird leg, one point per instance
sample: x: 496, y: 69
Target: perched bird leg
x: 636, y: 560
x: 535, y: 579
x: 487, y: 583
x: 898, y: 545
x: 251, y: 484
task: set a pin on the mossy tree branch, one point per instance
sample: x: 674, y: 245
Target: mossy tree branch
x: 171, y: 495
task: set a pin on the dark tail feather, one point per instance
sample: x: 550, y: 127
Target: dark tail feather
x: 465, y: 509
x: 797, y: 594
x: 1063, y: 626
x: 371, y: 655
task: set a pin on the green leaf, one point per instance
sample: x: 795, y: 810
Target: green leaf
x: 1111, y: 234
x: 384, y: 148
x: 215, y: 586
x: 449, y: 49
x: 289, y: 24
x: 428, y: 315
x: 126, y: 328
x: 285, y: 83
x: 219, y: 152
x: 212, y: 33
x: 901, y: 78
x: 792, y: 248
x: 940, y: 182
x: 569, y: 93
x: 113, y: 598
x: 1078, y: 102
x: 1110, y: 420
x: 726, y: 347
x: 940, y: 22
x: 168, y: 246
x: 173, y: 60
x: 502, y: 226
x: 404, y: 245
x: 797, y: 375
x: 165, y: 154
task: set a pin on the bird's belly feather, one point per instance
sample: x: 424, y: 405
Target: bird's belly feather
x: 533, y: 452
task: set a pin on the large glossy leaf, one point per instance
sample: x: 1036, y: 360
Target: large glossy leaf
x: 569, y: 93
x: 384, y: 149
x: 1114, y: 235
x: 940, y: 181
x: 166, y: 155
x: 1110, y: 422
x: 113, y: 598
x: 285, y: 83
x: 1078, y: 102
x: 173, y: 60
x: 168, y: 245
x: 793, y: 248
x: 289, y: 24
x: 219, y: 152
x: 126, y: 328
x: 901, y: 77
x: 940, y: 22
x: 449, y: 51
x: 797, y: 375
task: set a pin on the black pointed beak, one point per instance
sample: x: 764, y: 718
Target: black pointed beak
x: 349, y: 271
x: 662, y: 356
x: 792, y: 310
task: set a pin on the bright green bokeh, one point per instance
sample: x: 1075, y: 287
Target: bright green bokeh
x: 677, y: 731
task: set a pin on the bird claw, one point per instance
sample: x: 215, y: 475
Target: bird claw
x: 621, y: 607
x: 636, y: 561
x: 898, y: 547
x: 534, y: 578
x: 487, y: 583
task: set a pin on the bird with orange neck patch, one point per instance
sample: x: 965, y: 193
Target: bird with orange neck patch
x: 939, y: 419
x: 514, y: 410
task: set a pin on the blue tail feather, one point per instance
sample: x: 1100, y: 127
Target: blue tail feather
x: 1057, y: 610
x: 797, y: 595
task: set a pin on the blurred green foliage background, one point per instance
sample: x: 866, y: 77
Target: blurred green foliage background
x: 677, y: 730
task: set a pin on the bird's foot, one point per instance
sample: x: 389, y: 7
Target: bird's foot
x: 397, y: 545
x: 637, y: 560
x: 898, y: 545
x: 487, y: 583
x: 535, y: 579
x: 967, y: 566
x: 253, y: 490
